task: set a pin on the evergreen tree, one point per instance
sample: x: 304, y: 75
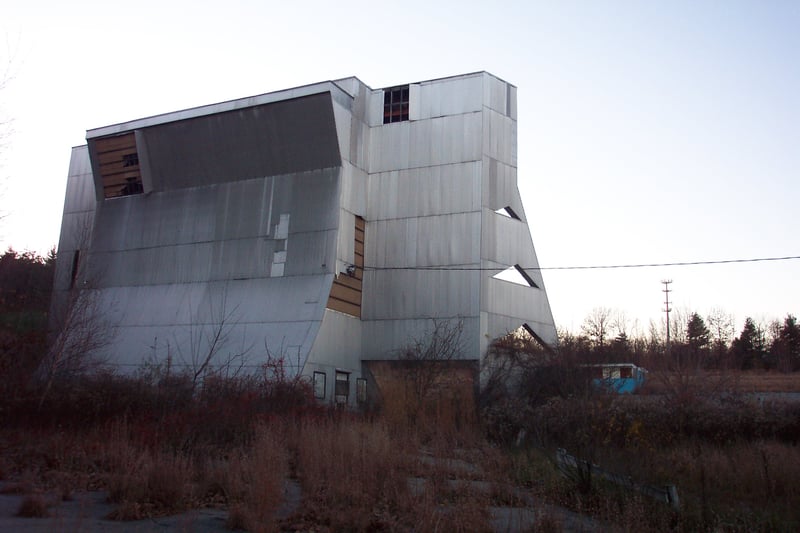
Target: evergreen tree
x: 697, y: 334
x: 786, y: 348
x: 698, y: 339
x: 749, y: 348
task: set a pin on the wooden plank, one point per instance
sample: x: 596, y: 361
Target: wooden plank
x: 115, y: 155
x: 360, y: 223
x: 344, y: 307
x: 349, y: 281
x: 108, y: 144
x: 122, y: 177
x: 116, y: 168
x: 346, y: 294
x: 359, y: 248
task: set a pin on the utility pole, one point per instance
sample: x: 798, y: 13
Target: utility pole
x: 667, y: 308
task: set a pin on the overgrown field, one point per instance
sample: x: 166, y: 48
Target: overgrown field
x: 161, y: 447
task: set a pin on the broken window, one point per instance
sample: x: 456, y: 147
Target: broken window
x: 319, y: 385
x: 395, y: 104
x: 516, y: 274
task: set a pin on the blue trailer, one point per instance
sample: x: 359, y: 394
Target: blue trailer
x: 622, y: 378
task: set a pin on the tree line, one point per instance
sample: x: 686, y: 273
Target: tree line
x: 709, y: 343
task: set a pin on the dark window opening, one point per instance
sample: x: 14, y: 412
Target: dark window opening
x: 75, y: 263
x: 395, y: 104
x: 342, y: 390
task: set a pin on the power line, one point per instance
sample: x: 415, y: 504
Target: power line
x: 596, y: 267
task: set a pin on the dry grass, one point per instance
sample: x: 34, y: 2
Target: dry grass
x: 744, y: 483
x: 252, y: 481
x: 734, y: 381
x: 435, y: 472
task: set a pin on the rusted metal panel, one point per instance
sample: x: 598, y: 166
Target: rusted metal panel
x: 279, y: 138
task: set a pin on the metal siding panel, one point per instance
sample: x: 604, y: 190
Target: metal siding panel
x: 450, y: 96
x: 519, y: 305
x: 513, y: 103
x: 338, y: 343
x: 311, y: 253
x: 393, y: 242
x: 244, y: 302
x: 426, y: 191
x: 422, y: 149
x: 495, y: 92
x: 342, y: 119
x: 383, y: 339
x: 354, y: 189
x: 500, y: 187
x: 404, y: 294
x: 506, y: 241
x: 414, y: 102
x: 375, y: 111
x: 448, y: 239
x: 450, y: 139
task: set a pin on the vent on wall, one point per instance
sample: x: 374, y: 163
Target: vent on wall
x: 118, y: 162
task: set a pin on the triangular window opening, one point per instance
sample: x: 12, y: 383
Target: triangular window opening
x: 516, y: 274
x: 507, y: 212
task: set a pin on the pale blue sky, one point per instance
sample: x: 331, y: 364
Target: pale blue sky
x: 648, y: 131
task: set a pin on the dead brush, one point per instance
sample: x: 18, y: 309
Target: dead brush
x: 444, y: 508
x: 759, y: 477
x: 253, y: 481
x: 156, y: 483
x: 358, y: 472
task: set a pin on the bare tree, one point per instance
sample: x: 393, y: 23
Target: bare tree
x: 598, y: 326
x: 205, y: 353
x: 426, y: 361
x: 83, y: 331
x: 722, y: 328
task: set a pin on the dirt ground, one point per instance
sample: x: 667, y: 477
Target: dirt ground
x: 87, y: 511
